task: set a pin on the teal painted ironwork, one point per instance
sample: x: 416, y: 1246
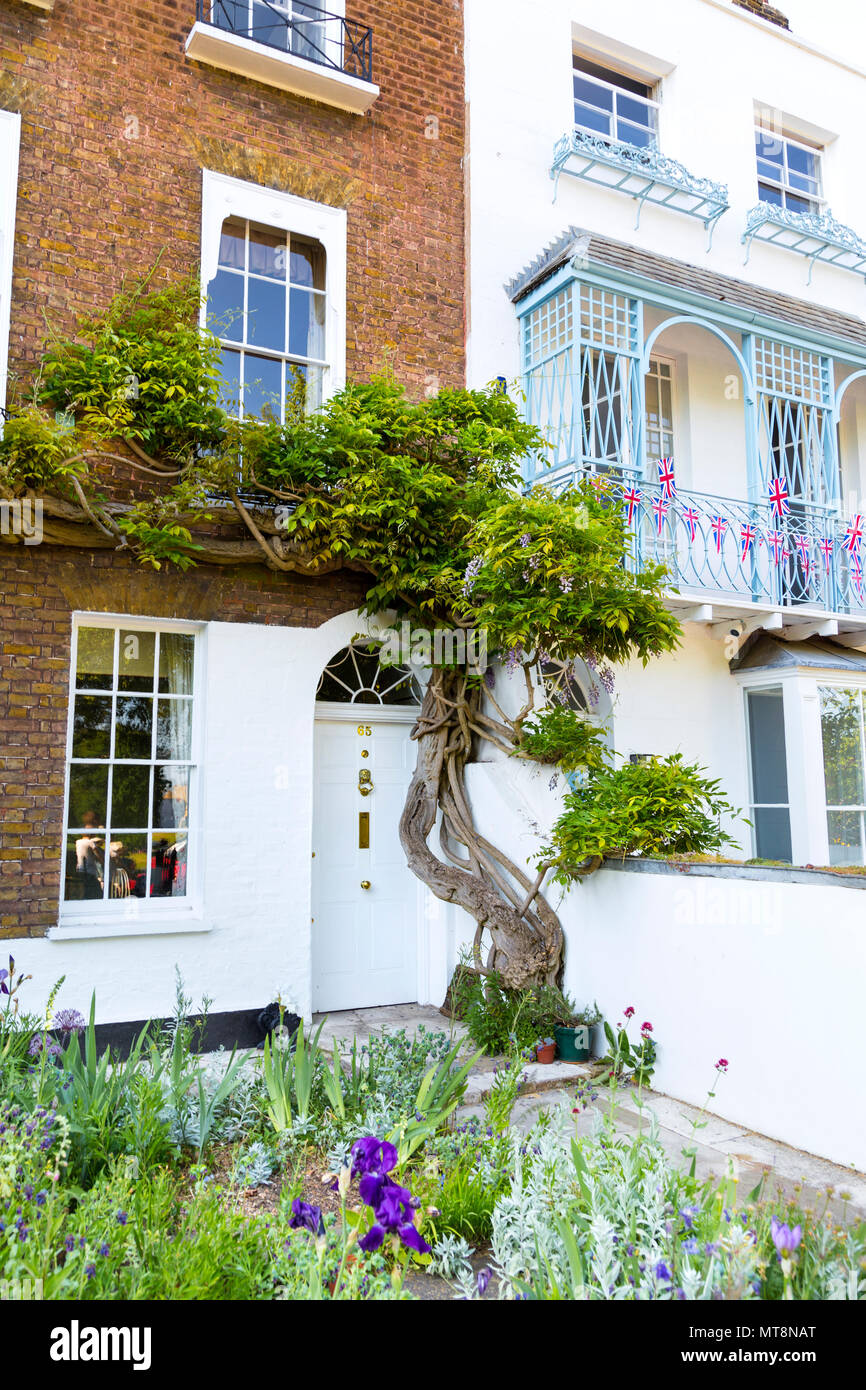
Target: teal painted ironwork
x: 643, y: 173
x: 817, y: 236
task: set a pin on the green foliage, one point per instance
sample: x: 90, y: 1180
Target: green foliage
x: 660, y: 807
x: 141, y: 372
x: 501, y: 1020
x: 626, y: 1058
x: 564, y: 737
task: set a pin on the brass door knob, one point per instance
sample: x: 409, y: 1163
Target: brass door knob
x: 365, y: 883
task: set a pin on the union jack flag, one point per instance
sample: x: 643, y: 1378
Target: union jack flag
x: 631, y: 496
x: 776, y: 542
x: 825, y: 545
x: 661, y: 507
x: 719, y: 527
x: 691, y: 517
x: 804, y: 545
x: 779, y: 496
x: 667, y: 482
x: 854, y: 535
x: 747, y: 540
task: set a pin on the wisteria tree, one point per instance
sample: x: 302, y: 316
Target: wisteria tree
x: 123, y: 438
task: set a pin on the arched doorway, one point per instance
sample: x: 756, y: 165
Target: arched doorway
x: 366, y: 903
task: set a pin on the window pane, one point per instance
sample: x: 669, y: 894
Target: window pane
x: 307, y: 264
x: 136, y: 659
x: 127, y: 866
x: 770, y: 146
x: 170, y: 797
x: 230, y: 386
x: 772, y: 833
x: 175, y: 663
x: 84, y: 869
x: 266, y: 315
x: 129, y: 791
x: 592, y: 94
x: 593, y: 120
x: 168, y: 866
x: 268, y: 252
x: 306, y: 324
x: 95, y: 663
x: 232, y: 243
x: 225, y: 306
x: 794, y: 203
x: 627, y: 108
x: 632, y: 134
x: 304, y: 386
x: 262, y: 387
x: 844, y: 831
x: 174, y: 729
x: 843, y: 752
x: 133, y: 736
x: 767, y: 742
x: 802, y: 162
x: 768, y: 194
x: 91, y: 726
x: 88, y: 795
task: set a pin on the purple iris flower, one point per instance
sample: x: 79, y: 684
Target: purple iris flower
x: 307, y: 1217
x: 372, y: 1240
x: 690, y: 1246
x: 662, y: 1271
x: 371, y: 1187
x: 784, y: 1239
x: 482, y: 1280
x: 372, y: 1155
x: 395, y: 1207
x: 413, y: 1239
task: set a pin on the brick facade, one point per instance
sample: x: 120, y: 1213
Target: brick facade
x: 116, y: 127
x: 764, y: 11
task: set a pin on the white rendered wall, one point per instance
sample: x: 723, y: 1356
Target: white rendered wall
x: 260, y: 684
x: 720, y: 61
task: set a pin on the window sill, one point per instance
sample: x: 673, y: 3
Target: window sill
x: 91, y: 930
x: 236, y: 53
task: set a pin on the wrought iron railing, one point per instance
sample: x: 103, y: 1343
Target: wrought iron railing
x: 297, y: 28
x: 728, y: 548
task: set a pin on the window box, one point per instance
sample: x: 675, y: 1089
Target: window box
x: 291, y: 45
x: 816, y: 235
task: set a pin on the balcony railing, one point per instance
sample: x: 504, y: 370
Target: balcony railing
x: 742, y: 551
x: 299, y: 29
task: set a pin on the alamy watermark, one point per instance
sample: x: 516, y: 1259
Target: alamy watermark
x: 22, y: 516
x: 441, y: 646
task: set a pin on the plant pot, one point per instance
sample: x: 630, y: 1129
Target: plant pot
x: 573, y: 1043
x: 546, y: 1053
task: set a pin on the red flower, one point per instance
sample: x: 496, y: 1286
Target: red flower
x: 629, y: 1013
x: 722, y: 1064
x: 646, y: 1028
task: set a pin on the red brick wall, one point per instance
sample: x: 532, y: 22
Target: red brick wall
x: 95, y: 206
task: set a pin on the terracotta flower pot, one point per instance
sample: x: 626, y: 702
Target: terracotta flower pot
x: 546, y: 1053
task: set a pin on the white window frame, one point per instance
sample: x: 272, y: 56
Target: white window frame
x: 613, y: 134
x: 817, y: 201
x: 122, y: 917
x: 10, y: 138
x: 671, y: 364
x: 841, y: 682
x: 224, y: 197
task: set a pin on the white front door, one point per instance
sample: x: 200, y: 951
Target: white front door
x: 365, y: 900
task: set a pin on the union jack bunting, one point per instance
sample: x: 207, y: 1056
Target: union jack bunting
x: 776, y: 542
x: 857, y: 575
x: 691, y: 516
x: 779, y: 496
x: 804, y: 545
x: 631, y: 496
x: 854, y: 535
x: 667, y: 482
x: 748, y: 535
x: 719, y: 527
x: 661, y: 506
x: 825, y: 545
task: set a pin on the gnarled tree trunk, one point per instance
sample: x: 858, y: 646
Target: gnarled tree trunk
x: 526, y: 939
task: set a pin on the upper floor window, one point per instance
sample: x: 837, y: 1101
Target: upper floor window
x: 616, y: 107
x: 266, y: 304
x: 659, y: 409
x: 274, y: 272
x: 131, y: 767
x: 789, y: 172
